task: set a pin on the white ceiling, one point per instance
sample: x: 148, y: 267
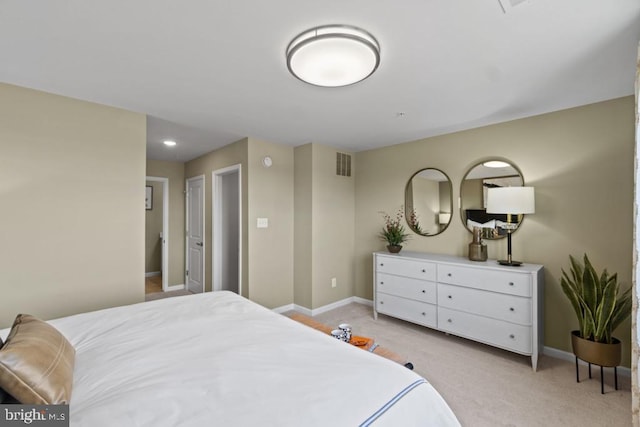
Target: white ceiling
x: 209, y: 72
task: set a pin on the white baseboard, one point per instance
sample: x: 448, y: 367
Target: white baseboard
x: 570, y: 357
x: 175, y: 288
x: 284, y: 308
x: 314, y: 312
x: 363, y: 301
x: 152, y: 273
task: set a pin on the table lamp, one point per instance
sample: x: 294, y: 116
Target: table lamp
x: 510, y: 201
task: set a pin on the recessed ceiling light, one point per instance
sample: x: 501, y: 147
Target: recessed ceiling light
x: 333, y: 55
x: 169, y: 143
x: 496, y: 164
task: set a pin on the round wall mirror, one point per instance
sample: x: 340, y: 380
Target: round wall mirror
x: 427, y: 202
x: 491, y: 173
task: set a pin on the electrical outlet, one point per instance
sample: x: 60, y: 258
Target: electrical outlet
x: 334, y: 282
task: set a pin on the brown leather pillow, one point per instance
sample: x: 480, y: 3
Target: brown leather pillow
x: 36, y: 363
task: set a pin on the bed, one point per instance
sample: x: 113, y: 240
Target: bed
x: 220, y: 359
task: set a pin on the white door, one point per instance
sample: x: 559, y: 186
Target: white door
x: 195, y: 234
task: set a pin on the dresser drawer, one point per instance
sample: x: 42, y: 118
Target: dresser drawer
x: 406, y: 309
x: 511, y: 308
x: 406, y: 287
x: 405, y: 267
x: 507, y: 335
x: 482, y: 278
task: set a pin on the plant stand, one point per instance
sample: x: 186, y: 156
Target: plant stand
x: 615, y: 375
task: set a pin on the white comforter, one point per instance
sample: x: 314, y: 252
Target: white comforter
x: 218, y: 359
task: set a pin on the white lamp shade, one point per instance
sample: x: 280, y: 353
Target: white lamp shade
x: 511, y: 200
x: 444, y: 218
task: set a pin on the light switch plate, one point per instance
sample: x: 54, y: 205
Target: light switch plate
x: 263, y: 223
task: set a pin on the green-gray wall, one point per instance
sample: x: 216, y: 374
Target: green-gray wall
x: 72, y: 180
x: 324, y: 226
x: 152, y: 230
x: 174, y: 172
x: 580, y: 162
x: 267, y: 253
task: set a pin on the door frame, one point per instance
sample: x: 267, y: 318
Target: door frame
x: 165, y: 229
x: 204, y: 246
x: 216, y: 223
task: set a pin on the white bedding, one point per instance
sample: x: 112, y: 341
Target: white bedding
x: 219, y: 359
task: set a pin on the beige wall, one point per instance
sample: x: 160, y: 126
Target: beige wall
x: 267, y: 254
x: 324, y: 224
x: 303, y: 221
x: 473, y: 194
x: 270, y: 249
x: 230, y: 155
x: 333, y: 225
x: 152, y: 230
x: 174, y: 171
x: 426, y: 202
x: 579, y: 160
x: 72, y: 179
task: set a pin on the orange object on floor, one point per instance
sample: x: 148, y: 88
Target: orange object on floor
x: 364, y: 343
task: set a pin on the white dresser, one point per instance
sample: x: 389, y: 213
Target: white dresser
x: 482, y: 301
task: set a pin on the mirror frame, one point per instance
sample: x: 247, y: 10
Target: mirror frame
x: 406, y: 210
x: 464, y: 178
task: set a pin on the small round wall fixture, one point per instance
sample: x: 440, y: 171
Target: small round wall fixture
x: 333, y: 55
x: 267, y: 161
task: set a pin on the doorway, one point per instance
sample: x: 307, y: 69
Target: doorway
x: 227, y: 229
x: 156, y: 234
x: 194, y: 277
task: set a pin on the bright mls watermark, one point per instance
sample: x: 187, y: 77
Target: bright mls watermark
x: 34, y: 415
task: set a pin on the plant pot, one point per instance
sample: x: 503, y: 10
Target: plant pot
x: 394, y: 249
x: 597, y: 353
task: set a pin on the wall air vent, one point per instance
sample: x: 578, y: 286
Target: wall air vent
x: 343, y: 164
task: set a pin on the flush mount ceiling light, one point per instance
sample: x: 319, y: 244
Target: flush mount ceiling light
x: 333, y: 55
x: 496, y: 164
x: 169, y: 143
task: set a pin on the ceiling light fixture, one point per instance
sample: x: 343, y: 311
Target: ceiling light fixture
x: 333, y: 55
x: 169, y: 143
x: 496, y: 164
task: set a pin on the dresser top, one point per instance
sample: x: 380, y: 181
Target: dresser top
x: 490, y: 264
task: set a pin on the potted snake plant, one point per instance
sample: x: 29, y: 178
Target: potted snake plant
x: 600, y: 308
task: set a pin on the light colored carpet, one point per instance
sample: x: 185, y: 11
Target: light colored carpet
x: 486, y: 386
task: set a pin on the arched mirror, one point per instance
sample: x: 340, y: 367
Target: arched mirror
x: 427, y: 202
x: 490, y: 173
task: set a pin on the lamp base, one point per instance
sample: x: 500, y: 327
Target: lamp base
x: 510, y: 263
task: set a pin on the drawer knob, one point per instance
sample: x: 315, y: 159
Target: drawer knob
x: 512, y: 336
x: 449, y: 274
x: 382, y: 283
x: 424, y: 314
x: 512, y: 309
x: 449, y: 320
x: 381, y: 302
x: 424, y: 292
x: 424, y: 271
x: 450, y: 297
x: 381, y: 264
x: 510, y: 283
